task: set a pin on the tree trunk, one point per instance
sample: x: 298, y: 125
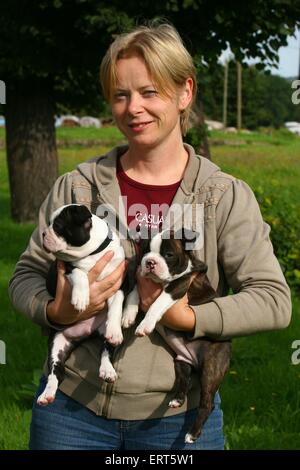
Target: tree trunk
x: 31, y: 147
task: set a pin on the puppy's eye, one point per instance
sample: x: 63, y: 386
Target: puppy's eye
x: 169, y: 254
x: 88, y: 224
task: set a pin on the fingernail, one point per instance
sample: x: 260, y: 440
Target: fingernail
x: 109, y: 253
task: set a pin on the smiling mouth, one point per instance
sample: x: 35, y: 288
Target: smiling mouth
x: 139, y: 125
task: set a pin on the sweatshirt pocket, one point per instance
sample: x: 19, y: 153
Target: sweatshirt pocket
x: 146, y: 365
x: 162, y: 372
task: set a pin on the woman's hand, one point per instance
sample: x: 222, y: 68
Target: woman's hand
x: 61, y: 311
x: 180, y: 316
x: 148, y: 291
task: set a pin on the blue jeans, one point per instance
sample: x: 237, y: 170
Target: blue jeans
x: 66, y: 424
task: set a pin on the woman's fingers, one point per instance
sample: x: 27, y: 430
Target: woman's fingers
x: 100, y: 265
x: 61, y: 280
x: 101, y: 290
x: 117, y: 274
x: 148, y: 290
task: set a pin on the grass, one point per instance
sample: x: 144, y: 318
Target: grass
x: 261, y: 393
x: 78, y: 133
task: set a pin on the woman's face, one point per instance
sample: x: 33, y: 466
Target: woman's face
x: 144, y: 116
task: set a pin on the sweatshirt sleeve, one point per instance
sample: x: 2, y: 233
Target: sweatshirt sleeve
x: 27, y: 287
x: 261, y: 297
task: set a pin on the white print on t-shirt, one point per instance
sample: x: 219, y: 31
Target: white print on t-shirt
x: 151, y: 220
x: 161, y: 217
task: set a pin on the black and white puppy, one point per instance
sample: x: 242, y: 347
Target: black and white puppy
x: 79, y: 238
x: 170, y: 263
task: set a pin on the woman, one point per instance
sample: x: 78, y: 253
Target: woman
x: 148, y: 78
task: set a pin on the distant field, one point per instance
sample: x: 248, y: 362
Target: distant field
x: 85, y: 133
x: 261, y: 393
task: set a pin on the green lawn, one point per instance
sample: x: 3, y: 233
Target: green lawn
x: 261, y: 394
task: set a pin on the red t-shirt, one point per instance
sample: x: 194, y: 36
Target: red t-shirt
x: 147, y: 204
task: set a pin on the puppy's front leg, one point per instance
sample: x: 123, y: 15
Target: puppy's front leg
x: 113, y: 333
x: 154, y: 314
x: 81, y: 289
x: 131, y: 308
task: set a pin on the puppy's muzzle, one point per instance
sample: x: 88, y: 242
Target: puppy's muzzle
x: 51, y: 242
x: 150, y: 265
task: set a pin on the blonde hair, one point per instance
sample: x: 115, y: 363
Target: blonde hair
x: 167, y: 60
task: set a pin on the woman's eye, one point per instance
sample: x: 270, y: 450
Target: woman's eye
x: 120, y: 95
x: 150, y: 93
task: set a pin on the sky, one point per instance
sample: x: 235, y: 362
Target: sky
x: 289, y: 58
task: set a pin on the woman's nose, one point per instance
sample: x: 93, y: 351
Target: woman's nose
x: 135, y: 103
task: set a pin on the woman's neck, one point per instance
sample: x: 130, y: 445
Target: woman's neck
x: 160, y: 166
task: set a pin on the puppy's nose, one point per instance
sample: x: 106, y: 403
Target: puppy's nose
x: 150, y: 264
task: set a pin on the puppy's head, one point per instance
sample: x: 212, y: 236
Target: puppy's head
x: 168, y: 257
x: 69, y: 226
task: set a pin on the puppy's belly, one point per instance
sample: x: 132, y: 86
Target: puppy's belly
x: 89, y: 262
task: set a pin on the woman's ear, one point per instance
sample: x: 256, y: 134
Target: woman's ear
x: 186, y: 94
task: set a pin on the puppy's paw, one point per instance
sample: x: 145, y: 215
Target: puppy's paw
x: 189, y: 439
x: 108, y: 373
x: 175, y: 403
x: 80, y: 299
x: 145, y: 328
x: 129, y: 315
x: 113, y: 334
x: 48, y: 395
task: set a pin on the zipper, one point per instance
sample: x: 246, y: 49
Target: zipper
x: 117, y: 351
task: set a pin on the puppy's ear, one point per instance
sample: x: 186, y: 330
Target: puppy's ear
x: 81, y: 214
x: 198, y: 265
x: 188, y: 238
x: 201, y: 291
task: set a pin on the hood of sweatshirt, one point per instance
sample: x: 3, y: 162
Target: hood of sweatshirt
x: 103, y: 169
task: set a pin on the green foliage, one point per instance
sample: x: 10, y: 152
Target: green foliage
x: 266, y: 99
x: 27, y: 391
x: 63, y: 41
x: 269, y: 163
x: 283, y: 217
x: 195, y: 136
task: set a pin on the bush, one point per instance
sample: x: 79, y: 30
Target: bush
x: 195, y: 136
x: 282, y: 216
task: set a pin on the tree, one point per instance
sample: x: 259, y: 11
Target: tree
x: 266, y: 98
x: 51, y: 49
x: 50, y: 55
